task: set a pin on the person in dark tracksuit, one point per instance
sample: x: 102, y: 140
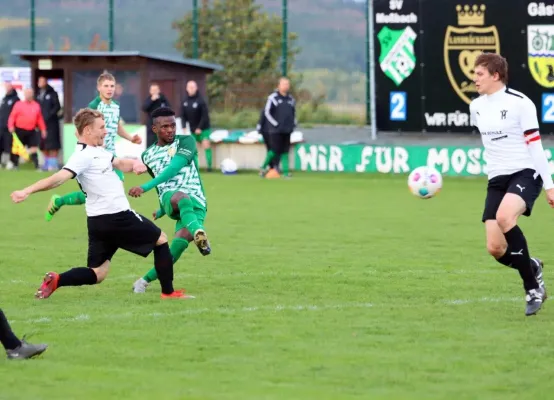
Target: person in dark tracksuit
x: 16, y: 348
x: 155, y: 100
x: 280, y: 112
x: 194, y: 110
x: 263, y: 129
x: 6, y: 106
x: 50, y: 106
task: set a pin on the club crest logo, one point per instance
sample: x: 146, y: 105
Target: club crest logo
x: 462, y: 46
x: 171, y: 151
x: 540, y: 52
x: 397, y: 58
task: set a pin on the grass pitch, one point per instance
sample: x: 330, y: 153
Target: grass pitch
x: 321, y: 287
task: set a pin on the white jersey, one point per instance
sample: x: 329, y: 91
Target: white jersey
x: 507, y: 121
x: 92, y: 166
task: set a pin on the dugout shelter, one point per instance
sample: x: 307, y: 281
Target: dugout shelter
x: 134, y: 72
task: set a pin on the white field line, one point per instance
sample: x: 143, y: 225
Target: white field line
x: 252, y: 309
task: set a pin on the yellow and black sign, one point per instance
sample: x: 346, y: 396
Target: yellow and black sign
x: 462, y: 45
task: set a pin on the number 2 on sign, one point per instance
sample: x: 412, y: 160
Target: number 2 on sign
x: 398, y: 106
x: 548, y: 108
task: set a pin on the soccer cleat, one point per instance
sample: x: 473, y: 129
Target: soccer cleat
x: 140, y: 286
x: 201, y: 241
x: 538, y: 266
x: 49, y: 286
x: 177, y: 294
x: 52, y: 208
x: 26, y: 350
x: 534, y: 299
x: 272, y: 174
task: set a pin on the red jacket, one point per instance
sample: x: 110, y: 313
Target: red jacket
x: 26, y: 115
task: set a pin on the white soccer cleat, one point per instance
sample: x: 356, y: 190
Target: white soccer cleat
x: 140, y: 286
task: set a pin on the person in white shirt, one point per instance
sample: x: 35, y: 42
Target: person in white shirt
x: 517, y: 170
x: 111, y: 222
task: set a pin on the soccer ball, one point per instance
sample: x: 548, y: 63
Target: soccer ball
x: 425, y: 182
x: 228, y: 166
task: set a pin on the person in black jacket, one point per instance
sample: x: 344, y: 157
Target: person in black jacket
x: 153, y: 102
x: 195, y: 111
x: 280, y: 111
x: 263, y: 129
x: 50, y: 106
x: 6, y: 106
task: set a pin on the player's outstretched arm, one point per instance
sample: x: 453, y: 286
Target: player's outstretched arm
x: 51, y: 182
x: 123, y: 133
x: 126, y: 164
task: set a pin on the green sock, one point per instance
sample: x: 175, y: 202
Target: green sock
x: 268, y: 158
x: 209, y: 157
x: 285, y: 163
x: 178, y: 247
x: 71, y: 199
x: 188, y: 217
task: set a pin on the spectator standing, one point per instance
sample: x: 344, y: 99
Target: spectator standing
x: 194, y: 110
x: 280, y: 112
x: 49, y: 102
x: 25, y: 118
x: 155, y: 100
x: 6, y: 107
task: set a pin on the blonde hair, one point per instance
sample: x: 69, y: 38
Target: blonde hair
x: 105, y: 76
x: 86, y: 117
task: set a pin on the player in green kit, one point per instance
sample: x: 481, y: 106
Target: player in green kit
x: 173, y: 164
x: 110, y: 109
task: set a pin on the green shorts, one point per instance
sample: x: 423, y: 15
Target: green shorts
x: 204, y: 135
x: 198, y: 209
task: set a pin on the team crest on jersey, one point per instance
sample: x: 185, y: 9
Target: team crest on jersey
x: 462, y: 46
x: 171, y: 151
x: 397, y: 58
x: 540, y: 53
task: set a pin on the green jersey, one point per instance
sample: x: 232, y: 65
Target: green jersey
x: 187, y: 180
x: 111, y: 118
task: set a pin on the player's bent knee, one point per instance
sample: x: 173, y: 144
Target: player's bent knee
x: 162, y: 239
x: 506, y: 220
x: 496, y: 249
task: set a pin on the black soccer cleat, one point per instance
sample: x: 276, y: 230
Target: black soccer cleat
x: 26, y: 350
x: 201, y: 241
x: 538, y: 266
x: 534, y: 299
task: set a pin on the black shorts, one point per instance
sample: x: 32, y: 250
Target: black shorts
x: 125, y: 230
x: 52, y: 141
x: 523, y: 183
x: 28, y: 138
x: 280, y: 142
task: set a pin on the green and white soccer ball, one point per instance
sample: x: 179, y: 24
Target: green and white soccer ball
x: 425, y: 182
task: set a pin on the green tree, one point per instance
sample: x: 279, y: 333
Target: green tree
x: 246, y: 42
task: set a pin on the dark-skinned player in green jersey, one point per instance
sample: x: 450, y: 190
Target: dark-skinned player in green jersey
x: 173, y: 164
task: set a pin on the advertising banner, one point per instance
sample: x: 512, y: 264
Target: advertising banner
x: 450, y: 161
x: 448, y: 36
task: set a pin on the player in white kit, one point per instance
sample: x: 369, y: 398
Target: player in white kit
x: 111, y: 222
x: 517, y: 170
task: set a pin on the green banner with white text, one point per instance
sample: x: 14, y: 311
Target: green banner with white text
x: 450, y: 161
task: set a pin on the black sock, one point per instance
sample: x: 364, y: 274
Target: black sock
x: 506, y: 259
x: 7, y: 337
x: 78, y: 277
x: 163, y: 262
x: 521, y: 260
x: 14, y: 158
x: 34, y: 159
